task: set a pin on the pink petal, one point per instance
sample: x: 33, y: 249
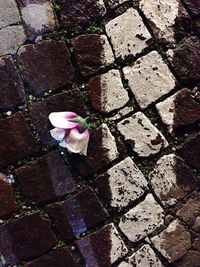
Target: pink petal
x: 58, y: 134
x: 77, y: 142
x: 61, y: 120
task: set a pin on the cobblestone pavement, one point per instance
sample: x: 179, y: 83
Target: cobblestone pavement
x: 133, y: 67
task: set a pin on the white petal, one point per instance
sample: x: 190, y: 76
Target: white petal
x: 63, y: 143
x: 58, y: 134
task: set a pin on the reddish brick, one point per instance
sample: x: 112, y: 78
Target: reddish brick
x: 76, y: 215
x: 77, y: 13
x: 39, y: 112
x: 11, y: 89
x: 7, y: 201
x: 46, y: 178
x: 25, y: 238
x: 59, y: 258
x: 57, y: 71
x: 16, y: 138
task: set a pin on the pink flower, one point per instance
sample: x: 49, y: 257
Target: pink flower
x: 71, y: 130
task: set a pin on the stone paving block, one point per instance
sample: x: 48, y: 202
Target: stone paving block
x: 71, y: 100
x: 128, y: 34
x: 144, y: 257
x: 106, y: 92
x: 191, y: 259
x: 190, y: 213
x: 141, y: 134
x: 46, y: 178
x: 102, y: 150
x: 77, y: 214
x: 17, y: 139
x: 142, y: 220
x: 173, y: 242
x: 26, y: 238
x: 55, y: 73
x: 190, y: 152
x: 149, y: 79
x: 185, y: 60
x: 168, y: 19
x: 7, y: 199
x: 11, y: 38
x: 11, y: 88
x: 9, y: 13
x: 59, y: 258
x: 122, y: 112
x: 78, y: 13
x: 122, y: 184
x: 110, y: 242
x: 179, y: 110
x: 93, y: 52
x: 193, y: 6
x: 38, y: 16
x: 171, y: 179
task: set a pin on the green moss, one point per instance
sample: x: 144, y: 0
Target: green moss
x: 136, y: 3
x: 59, y: 244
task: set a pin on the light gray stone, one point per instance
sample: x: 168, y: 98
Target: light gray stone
x: 11, y: 38
x: 142, y: 220
x: 116, y: 3
x: 9, y: 13
x: 149, y: 79
x: 121, y: 113
x: 107, y: 92
x: 173, y: 242
x: 142, y: 135
x: 144, y: 257
x: 128, y: 34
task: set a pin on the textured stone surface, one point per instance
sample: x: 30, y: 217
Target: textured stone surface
x: 7, y: 200
x: 9, y: 13
x: 173, y: 242
x: 17, y: 140
x: 77, y: 13
x: 192, y: 258
x: 149, y: 79
x: 93, y: 52
x: 144, y: 257
x: 59, y: 258
x: 190, y: 213
x: 11, y: 87
x: 142, y: 220
x: 25, y: 238
x: 102, y: 150
x: 128, y: 34
x: 115, y: 3
x: 171, y: 179
x: 190, y: 152
x: 193, y: 6
x: 106, y: 92
x: 38, y: 16
x: 110, y: 242
x: 168, y: 19
x: 77, y: 214
x: 122, y: 184
x: 140, y: 133
x: 11, y: 38
x: 71, y: 100
x: 46, y: 178
x: 55, y: 73
x: 185, y: 60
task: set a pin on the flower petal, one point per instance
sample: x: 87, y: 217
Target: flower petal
x: 61, y: 120
x: 58, y: 134
x: 77, y: 142
x: 63, y: 143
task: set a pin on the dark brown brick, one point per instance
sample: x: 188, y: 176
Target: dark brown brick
x: 77, y: 214
x: 193, y: 6
x: 46, y: 178
x: 191, y: 259
x: 77, y: 13
x: 190, y: 152
x: 11, y: 87
x: 69, y: 101
x: 26, y: 238
x: 7, y: 200
x: 45, y: 66
x: 58, y: 258
x: 16, y: 138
